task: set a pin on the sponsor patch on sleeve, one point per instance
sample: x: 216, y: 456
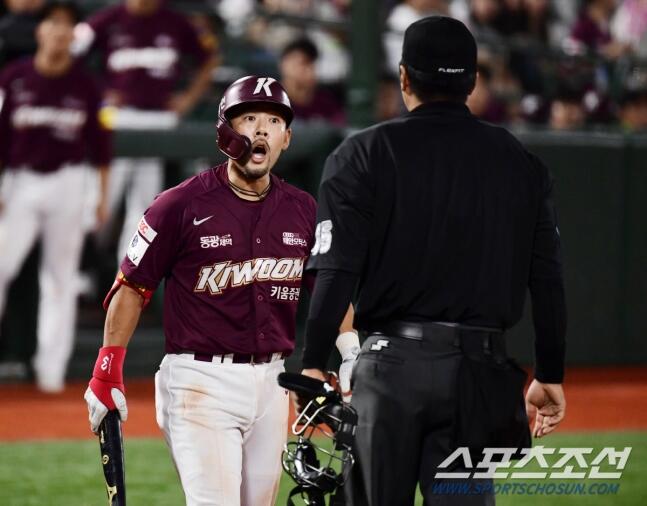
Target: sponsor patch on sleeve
x: 146, y: 230
x: 137, y: 249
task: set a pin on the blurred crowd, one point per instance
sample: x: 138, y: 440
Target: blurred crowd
x: 562, y: 65
x: 548, y: 63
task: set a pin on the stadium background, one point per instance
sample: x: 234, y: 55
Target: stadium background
x: 579, y: 104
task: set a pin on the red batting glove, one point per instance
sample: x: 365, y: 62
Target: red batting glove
x: 106, y: 390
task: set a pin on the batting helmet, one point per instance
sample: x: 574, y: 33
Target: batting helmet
x: 248, y: 90
x: 326, y: 416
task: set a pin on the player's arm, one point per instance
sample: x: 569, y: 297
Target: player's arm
x: 330, y: 320
x: 347, y: 322
x: 203, y: 50
x: 149, y: 259
x: 329, y: 308
x: 545, y: 398
x: 99, y: 139
x: 106, y: 390
x: 121, y: 319
x: 5, y: 128
x: 184, y: 102
x: 102, y: 206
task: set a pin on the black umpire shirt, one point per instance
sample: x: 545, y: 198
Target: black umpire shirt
x: 437, y: 216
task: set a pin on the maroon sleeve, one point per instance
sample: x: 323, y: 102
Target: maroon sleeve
x: 5, y: 130
x: 154, y: 246
x: 98, y: 138
x: 99, y: 23
x: 584, y: 32
x: 190, y: 41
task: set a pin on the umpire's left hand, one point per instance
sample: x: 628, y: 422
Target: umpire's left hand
x: 547, y: 404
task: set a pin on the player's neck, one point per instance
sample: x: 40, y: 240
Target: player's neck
x: 52, y: 64
x: 248, y: 188
x: 299, y: 94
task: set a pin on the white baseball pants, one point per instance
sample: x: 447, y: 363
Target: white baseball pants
x: 140, y: 179
x: 51, y: 206
x: 226, y: 425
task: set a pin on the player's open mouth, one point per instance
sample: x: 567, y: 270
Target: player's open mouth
x: 259, y: 152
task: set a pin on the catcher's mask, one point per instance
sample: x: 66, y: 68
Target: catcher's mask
x: 245, y: 92
x: 320, y: 459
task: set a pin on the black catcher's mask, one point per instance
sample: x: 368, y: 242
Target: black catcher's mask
x: 320, y: 459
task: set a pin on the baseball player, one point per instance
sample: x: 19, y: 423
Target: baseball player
x: 49, y: 134
x: 145, y: 46
x: 230, y: 245
x: 442, y: 222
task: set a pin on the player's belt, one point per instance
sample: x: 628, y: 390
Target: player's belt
x: 238, y: 358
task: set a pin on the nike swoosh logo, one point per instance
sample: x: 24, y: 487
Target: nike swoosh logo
x: 200, y: 222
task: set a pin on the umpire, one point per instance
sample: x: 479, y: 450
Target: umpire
x: 438, y: 222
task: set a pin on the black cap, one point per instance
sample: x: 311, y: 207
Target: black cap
x: 570, y: 92
x: 71, y: 7
x: 303, y: 45
x: 441, y: 50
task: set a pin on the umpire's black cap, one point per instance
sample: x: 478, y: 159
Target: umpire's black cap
x: 440, y: 51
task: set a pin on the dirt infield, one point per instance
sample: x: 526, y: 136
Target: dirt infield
x: 598, y: 399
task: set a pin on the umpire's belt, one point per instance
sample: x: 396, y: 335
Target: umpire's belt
x: 467, y: 337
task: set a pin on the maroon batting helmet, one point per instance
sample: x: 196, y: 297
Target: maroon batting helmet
x: 248, y: 90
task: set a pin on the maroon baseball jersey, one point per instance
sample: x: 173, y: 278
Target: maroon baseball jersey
x: 323, y: 106
x: 590, y: 33
x: 142, y: 54
x: 232, y: 268
x: 48, y: 122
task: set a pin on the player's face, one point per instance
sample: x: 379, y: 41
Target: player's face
x: 24, y: 5
x: 56, y: 32
x: 269, y: 135
x: 142, y: 7
x: 299, y: 69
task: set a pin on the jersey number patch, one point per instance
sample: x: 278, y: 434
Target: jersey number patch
x: 323, y: 238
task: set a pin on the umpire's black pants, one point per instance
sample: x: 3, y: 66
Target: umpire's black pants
x: 403, y: 391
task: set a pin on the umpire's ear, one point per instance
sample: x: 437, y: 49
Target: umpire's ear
x: 408, y: 96
x: 405, y: 84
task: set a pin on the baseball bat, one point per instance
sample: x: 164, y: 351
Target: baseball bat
x: 112, y: 458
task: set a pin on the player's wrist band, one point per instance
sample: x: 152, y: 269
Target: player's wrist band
x: 110, y: 363
x: 347, y: 343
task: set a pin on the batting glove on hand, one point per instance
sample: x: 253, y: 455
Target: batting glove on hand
x: 348, y: 346
x: 106, y: 391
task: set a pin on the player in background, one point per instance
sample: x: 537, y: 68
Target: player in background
x: 18, y: 325
x: 145, y: 47
x: 49, y: 134
x: 230, y: 245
